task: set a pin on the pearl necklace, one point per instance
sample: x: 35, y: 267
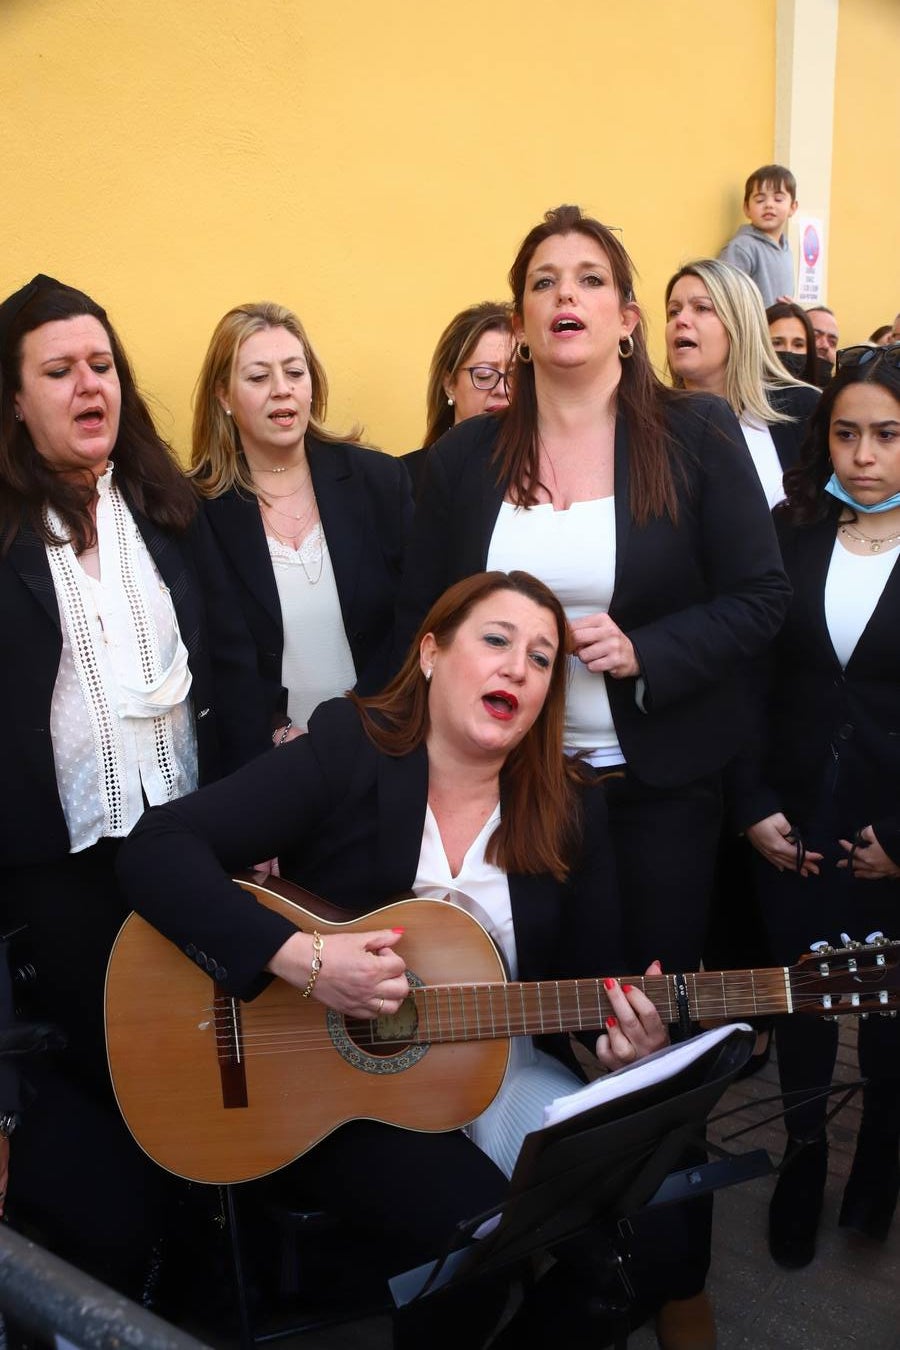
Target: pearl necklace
x: 874, y: 545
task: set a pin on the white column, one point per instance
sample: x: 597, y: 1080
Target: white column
x: 805, y: 59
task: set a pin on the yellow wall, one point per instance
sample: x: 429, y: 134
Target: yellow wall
x: 373, y: 166
x: 864, y: 267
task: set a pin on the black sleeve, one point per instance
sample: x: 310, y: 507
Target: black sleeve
x: 238, y: 694
x: 174, y: 867
x: 689, y: 649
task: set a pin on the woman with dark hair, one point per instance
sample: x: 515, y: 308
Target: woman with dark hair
x: 717, y: 342
x: 451, y: 780
x: 311, y: 525
x: 819, y: 796
x: 640, y: 507
x: 124, y: 679
x: 469, y: 374
x: 793, y: 339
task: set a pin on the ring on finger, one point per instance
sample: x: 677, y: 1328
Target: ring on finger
x: 379, y: 1008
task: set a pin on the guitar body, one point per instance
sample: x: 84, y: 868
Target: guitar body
x: 220, y: 1091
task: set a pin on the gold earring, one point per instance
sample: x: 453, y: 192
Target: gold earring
x: 627, y: 343
x: 523, y: 352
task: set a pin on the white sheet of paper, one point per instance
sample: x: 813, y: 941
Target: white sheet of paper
x: 654, y: 1068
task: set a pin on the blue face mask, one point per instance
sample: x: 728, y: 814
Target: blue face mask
x: 837, y: 490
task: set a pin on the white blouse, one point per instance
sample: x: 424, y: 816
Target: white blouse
x: 316, y: 661
x: 120, y: 721
x: 765, y: 459
x: 533, y: 1078
x: 574, y: 553
x: 853, y: 588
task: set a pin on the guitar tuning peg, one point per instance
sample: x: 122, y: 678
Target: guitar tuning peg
x: 849, y: 943
x: 820, y: 946
x: 876, y: 939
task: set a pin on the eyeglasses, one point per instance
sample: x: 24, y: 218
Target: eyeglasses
x: 864, y: 356
x: 488, y: 377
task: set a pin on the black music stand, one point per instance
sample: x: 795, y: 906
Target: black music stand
x: 595, y: 1170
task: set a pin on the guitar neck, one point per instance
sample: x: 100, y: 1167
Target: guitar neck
x: 467, y: 1012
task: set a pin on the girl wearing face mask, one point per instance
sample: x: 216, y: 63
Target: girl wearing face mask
x: 717, y: 341
x: 818, y: 793
x: 793, y: 338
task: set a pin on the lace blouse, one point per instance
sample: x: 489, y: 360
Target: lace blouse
x: 120, y: 721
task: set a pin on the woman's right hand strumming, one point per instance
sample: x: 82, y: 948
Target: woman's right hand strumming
x: 361, y: 974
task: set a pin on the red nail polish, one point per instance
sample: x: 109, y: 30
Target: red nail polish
x: 398, y: 930
x: 611, y: 1022
x: 627, y: 988
x: 609, y: 984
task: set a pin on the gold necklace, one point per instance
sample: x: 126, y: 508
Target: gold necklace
x: 276, y: 496
x: 314, y: 535
x: 874, y: 545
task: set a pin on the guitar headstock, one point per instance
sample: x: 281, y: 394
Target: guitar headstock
x: 859, y: 977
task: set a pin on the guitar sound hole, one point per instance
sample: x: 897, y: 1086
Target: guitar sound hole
x: 379, y: 1045
x: 386, y: 1035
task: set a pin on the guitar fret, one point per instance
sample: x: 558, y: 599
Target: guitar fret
x: 752, y: 989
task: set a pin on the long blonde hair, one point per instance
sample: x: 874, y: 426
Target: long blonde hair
x: 217, y: 457
x: 752, y: 366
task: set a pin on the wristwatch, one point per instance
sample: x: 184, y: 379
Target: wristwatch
x: 8, y: 1122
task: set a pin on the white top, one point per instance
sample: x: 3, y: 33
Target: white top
x: 852, y: 590
x: 316, y: 662
x: 574, y: 553
x: 765, y: 459
x: 120, y: 723
x: 533, y: 1078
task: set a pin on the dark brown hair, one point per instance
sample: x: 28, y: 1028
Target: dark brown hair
x: 540, y: 826
x: 806, y: 501
x: 145, y: 467
x: 458, y: 340
x: 641, y: 396
x: 786, y: 309
x: 775, y: 176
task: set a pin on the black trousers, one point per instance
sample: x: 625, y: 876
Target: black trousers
x: 665, y: 843
x: 799, y: 911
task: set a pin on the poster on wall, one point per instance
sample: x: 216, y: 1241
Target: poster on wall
x: 811, y: 265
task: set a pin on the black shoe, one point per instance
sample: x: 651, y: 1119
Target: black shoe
x: 796, y: 1204
x: 870, y: 1197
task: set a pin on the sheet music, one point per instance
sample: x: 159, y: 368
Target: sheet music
x: 655, y: 1068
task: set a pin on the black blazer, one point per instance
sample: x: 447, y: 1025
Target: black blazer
x: 799, y: 401
x: 698, y: 599
x: 365, y: 506
x: 821, y: 720
x: 226, y: 695
x: 353, y: 818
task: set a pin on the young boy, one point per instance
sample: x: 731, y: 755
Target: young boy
x: 761, y: 248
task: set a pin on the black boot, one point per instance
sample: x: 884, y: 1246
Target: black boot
x: 870, y: 1197
x: 796, y: 1204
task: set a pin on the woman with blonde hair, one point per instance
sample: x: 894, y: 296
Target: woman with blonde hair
x: 469, y: 375
x: 717, y: 342
x: 311, y: 525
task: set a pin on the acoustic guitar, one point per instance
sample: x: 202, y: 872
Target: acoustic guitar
x: 219, y: 1091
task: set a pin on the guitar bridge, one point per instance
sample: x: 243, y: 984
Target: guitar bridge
x: 229, y: 1049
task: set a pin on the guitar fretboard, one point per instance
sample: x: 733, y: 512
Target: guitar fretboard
x: 471, y: 1012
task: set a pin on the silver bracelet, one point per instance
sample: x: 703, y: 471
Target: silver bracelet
x: 284, y: 732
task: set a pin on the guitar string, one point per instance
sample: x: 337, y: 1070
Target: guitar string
x: 276, y: 1038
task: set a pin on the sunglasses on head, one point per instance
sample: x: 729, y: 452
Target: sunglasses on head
x: 864, y: 356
